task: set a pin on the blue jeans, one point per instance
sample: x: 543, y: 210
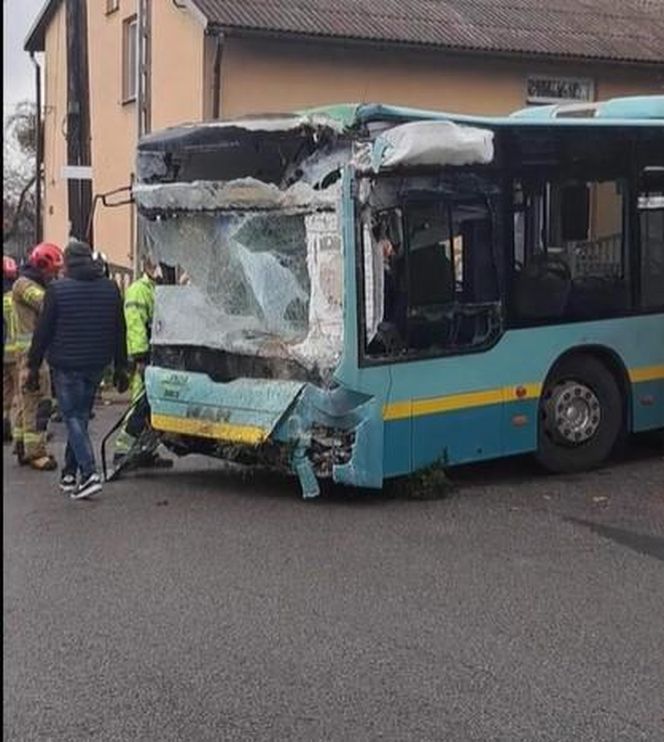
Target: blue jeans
x: 75, y: 391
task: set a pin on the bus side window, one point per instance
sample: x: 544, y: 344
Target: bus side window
x: 651, y: 222
x: 569, y: 250
x: 435, y: 279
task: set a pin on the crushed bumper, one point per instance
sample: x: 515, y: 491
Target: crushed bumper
x: 325, y: 433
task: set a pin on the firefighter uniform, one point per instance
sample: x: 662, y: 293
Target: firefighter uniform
x: 9, y: 365
x: 138, y: 312
x: 33, y: 409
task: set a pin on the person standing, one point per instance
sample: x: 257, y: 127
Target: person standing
x: 100, y: 258
x: 81, y: 331
x: 139, y: 312
x: 34, y: 402
x: 9, y: 349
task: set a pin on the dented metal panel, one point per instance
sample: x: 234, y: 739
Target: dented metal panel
x: 241, y: 411
x: 438, y: 143
x: 242, y: 193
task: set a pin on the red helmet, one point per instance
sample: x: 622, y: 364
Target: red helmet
x: 47, y: 258
x: 9, y: 267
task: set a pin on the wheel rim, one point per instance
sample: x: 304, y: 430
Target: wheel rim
x: 572, y: 413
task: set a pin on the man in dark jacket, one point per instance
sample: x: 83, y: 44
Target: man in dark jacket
x: 81, y: 331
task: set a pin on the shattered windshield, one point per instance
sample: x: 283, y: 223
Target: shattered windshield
x: 260, y: 282
x: 249, y: 212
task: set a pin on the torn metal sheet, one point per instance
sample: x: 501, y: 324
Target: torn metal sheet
x: 291, y: 425
x: 263, y: 148
x: 431, y: 143
x: 274, y: 122
x: 374, y: 283
x: 243, y: 193
x: 324, y: 339
x: 321, y: 165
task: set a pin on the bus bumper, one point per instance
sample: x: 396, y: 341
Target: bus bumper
x: 312, y: 432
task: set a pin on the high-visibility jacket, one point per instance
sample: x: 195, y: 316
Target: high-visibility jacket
x: 11, y: 331
x: 139, y: 311
x: 28, y: 298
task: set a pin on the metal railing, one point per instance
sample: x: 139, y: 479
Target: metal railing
x: 599, y: 257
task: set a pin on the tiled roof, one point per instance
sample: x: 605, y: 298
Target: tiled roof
x: 625, y: 30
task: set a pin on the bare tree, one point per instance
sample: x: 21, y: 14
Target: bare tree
x: 19, y: 173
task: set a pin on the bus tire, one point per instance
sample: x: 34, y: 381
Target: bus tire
x: 581, y: 415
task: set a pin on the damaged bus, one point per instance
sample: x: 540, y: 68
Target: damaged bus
x: 373, y: 290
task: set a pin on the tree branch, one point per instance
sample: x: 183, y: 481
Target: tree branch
x: 19, y: 208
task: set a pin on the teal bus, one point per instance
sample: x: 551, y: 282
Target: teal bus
x: 369, y: 290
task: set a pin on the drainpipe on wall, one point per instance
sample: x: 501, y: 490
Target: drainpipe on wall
x: 216, y: 74
x: 38, y: 150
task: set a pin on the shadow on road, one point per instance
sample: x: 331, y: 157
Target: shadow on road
x: 517, y: 469
x: 642, y: 543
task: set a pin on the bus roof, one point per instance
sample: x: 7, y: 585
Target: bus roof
x: 639, y: 107
x: 646, y: 110
x: 224, y: 146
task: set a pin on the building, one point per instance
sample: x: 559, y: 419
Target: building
x: 115, y: 68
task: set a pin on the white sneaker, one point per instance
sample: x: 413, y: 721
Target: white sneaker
x: 89, y: 486
x: 67, y: 484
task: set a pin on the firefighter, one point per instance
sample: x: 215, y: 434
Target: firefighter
x: 9, y: 374
x: 139, y: 311
x: 34, y: 404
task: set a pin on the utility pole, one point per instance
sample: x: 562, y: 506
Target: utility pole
x: 143, y: 107
x: 78, y: 172
x: 143, y: 87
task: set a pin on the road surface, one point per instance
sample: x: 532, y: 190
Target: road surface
x: 200, y: 605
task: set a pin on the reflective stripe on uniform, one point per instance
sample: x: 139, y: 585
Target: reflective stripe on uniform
x: 23, y: 341
x: 27, y: 297
x: 33, y: 294
x: 11, y: 344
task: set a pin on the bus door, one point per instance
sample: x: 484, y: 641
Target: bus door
x: 434, y: 255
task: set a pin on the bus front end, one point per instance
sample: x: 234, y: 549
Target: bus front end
x: 246, y: 344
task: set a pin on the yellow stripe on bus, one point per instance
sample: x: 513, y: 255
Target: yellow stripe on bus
x: 646, y: 373
x: 464, y: 400
x: 456, y: 402
x: 207, y: 429
x: 394, y: 411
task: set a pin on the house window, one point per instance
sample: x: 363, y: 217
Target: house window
x: 129, y: 59
x: 549, y: 89
x: 112, y: 6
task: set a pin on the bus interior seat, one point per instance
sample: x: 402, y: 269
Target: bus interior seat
x: 542, y: 288
x: 480, y: 280
x: 431, y: 277
x: 596, y: 296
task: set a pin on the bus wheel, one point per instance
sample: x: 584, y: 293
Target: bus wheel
x: 580, y: 416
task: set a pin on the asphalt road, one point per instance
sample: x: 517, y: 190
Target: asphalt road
x: 198, y: 605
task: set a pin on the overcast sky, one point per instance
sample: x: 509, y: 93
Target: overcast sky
x: 18, y: 75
